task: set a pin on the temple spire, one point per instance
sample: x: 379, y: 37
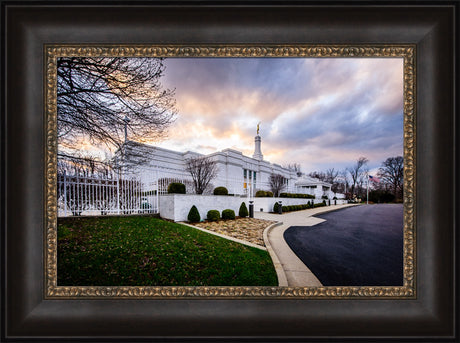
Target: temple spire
x: 257, y: 148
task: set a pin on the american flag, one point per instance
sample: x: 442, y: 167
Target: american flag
x: 373, y: 178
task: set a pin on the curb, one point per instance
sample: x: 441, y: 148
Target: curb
x: 282, y: 279
x: 252, y: 245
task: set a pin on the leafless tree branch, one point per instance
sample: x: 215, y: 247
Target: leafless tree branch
x: 203, y: 170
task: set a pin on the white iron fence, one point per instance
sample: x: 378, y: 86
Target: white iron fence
x: 135, y: 193
x: 100, y: 195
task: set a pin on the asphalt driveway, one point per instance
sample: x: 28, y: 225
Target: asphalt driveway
x: 356, y: 246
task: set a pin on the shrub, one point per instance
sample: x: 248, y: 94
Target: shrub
x: 176, y: 187
x: 243, y: 212
x: 213, y: 215
x: 324, y: 197
x: 284, y: 209
x: 228, y: 214
x: 194, y: 215
x: 220, y: 191
x: 296, y: 195
x: 260, y: 194
x: 334, y: 198
x: 276, y: 207
x: 321, y: 204
x: 264, y: 194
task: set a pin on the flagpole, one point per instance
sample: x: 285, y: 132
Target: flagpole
x: 367, y: 195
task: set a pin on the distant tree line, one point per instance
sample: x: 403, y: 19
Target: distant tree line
x: 388, y: 184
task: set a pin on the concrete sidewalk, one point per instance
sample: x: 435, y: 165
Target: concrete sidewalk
x: 292, y: 272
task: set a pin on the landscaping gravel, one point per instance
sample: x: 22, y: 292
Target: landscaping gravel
x: 247, y: 229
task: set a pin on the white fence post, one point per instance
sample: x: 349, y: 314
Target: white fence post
x: 118, y: 192
x: 65, y: 194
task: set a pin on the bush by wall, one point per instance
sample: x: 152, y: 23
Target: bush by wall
x: 194, y: 215
x: 264, y: 194
x: 321, y: 204
x: 290, y: 208
x: 220, y: 191
x: 243, y: 212
x: 296, y: 195
x: 213, y: 215
x: 176, y: 187
x: 276, y: 207
x: 228, y: 214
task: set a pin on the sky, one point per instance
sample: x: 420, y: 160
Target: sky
x: 319, y: 112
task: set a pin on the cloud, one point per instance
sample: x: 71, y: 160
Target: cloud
x: 318, y: 112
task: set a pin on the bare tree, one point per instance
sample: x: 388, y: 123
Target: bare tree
x: 340, y: 184
x: 203, y: 170
x: 356, y: 173
x: 277, y: 183
x: 391, y: 173
x: 318, y: 175
x: 295, y: 167
x: 82, y: 164
x: 331, y: 175
x: 99, y: 98
x: 130, y: 156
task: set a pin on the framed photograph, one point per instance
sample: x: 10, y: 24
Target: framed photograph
x: 103, y: 104
x: 176, y: 172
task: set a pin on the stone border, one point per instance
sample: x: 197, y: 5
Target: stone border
x: 282, y: 279
x: 227, y: 237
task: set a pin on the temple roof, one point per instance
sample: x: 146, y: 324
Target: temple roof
x: 310, y: 181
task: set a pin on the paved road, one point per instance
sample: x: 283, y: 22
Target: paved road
x: 356, y: 246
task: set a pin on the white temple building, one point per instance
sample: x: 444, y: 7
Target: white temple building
x: 240, y: 174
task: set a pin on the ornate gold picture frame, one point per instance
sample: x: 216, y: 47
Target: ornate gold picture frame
x: 406, y: 52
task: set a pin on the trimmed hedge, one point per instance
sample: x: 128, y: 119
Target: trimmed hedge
x: 264, y: 194
x: 290, y: 208
x: 321, y: 204
x: 220, y: 191
x: 213, y: 215
x: 296, y: 195
x: 243, y: 212
x: 194, y: 215
x: 228, y: 214
x: 176, y: 188
x: 276, y: 207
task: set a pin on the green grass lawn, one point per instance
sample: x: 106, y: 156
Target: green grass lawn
x: 147, y: 251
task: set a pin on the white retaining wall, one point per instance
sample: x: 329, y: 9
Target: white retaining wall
x: 266, y: 204
x: 177, y: 206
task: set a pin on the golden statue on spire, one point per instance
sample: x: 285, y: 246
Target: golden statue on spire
x: 258, y: 128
